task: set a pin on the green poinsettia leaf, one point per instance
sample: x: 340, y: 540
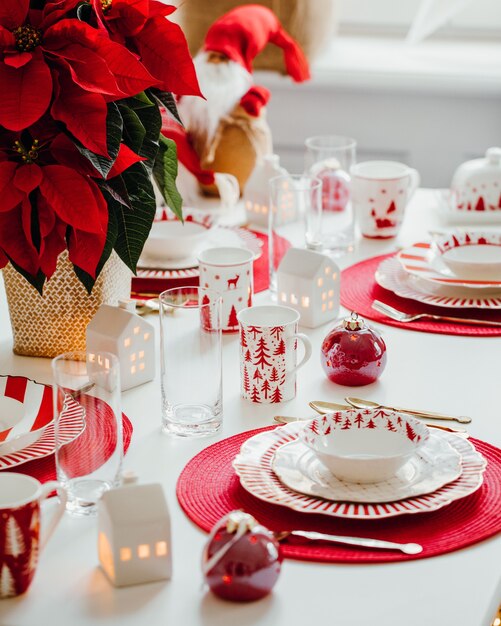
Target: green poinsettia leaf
x: 111, y: 236
x: 165, y: 173
x: 116, y: 188
x: 140, y: 101
x: 37, y: 281
x: 133, y: 130
x: 167, y: 100
x: 114, y: 128
x: 134, y: 224
x: 151, y: 121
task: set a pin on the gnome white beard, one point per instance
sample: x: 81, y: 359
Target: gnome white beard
x: 223, y: 85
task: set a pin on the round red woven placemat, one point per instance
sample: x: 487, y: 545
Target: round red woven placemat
x: 208, y: 488
x: 359, y: 289
x: 44, y: 469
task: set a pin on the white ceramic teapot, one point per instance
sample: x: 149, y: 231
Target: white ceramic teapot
x: 476, y: 184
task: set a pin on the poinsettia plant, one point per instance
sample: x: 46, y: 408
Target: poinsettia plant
x: 84, y: 84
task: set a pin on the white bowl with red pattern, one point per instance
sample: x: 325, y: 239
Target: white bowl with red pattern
x: 364, y: 446
x: 471, y: 255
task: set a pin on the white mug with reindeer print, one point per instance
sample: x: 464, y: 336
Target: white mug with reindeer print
x: 380, y: 191
x: 229, y: 272
x: 268, y: 353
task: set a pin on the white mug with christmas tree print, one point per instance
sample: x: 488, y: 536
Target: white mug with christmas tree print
x: 20, y: 538
x: 229, y: 272
x: 380, y: 191
x: 269, y: 341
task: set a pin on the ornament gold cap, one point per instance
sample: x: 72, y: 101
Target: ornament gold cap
x: 354, y: 322
x: 239, y: 520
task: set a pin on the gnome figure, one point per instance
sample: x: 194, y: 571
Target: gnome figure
x: 227, y: 132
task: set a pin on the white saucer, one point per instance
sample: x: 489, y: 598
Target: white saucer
x: 435, y: 465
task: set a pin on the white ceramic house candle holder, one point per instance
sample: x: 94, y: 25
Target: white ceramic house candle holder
x: 134, y: 535
x: 256, y: 192
x: 309, y: 282
x: 121, y: 331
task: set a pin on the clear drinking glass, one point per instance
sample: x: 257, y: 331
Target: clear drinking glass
x: 294, y: 200
x: 89, y: 464
x: 190, y: 332
x: 329, y: 158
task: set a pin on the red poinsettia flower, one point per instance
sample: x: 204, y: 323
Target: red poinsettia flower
x: 160, y: 44
x: 35, y: 44
x: 71, y: 212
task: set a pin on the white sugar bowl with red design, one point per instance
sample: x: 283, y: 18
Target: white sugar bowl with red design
x: 241, y: 559
x: 364, y: 446
x: 476, y: 184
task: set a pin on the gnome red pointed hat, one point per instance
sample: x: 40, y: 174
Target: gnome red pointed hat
x: 242, y: 33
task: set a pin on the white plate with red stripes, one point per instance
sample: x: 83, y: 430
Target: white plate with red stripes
x: 71, y: 425
x: 392, y: 276
x: 420, y: 261
x: 25, y: 412
x: 254, y: 466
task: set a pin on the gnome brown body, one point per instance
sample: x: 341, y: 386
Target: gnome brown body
x: 241, y: 140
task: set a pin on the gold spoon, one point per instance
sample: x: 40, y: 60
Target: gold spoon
x: 358, y: 403
x: 328, y: 407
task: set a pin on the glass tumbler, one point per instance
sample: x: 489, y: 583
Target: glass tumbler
x: 329, y: 158
x: 295, y: 202
x: 191, y: 363
x: 87, y: 403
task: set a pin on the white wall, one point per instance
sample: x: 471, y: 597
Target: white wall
x: 431, y: 116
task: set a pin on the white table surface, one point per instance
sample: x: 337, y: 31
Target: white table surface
x: 444, y: 373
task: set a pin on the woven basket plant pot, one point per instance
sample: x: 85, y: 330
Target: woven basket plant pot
x: 312, y: 23
x: 48, y: 325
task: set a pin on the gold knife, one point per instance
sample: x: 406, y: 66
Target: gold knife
x: 359, y: 403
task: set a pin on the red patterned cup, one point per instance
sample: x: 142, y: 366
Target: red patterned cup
x: 380, y: 192
x: 20, y: 539
x: 229, y: 272
x: 268, y: 353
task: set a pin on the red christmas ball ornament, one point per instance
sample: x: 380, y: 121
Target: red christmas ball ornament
x: 335, y: 184
x: 242, y: 559
x: 353, y: 354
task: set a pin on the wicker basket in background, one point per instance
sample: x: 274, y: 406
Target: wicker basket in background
x: 310, y: 22
x: 54, y: 323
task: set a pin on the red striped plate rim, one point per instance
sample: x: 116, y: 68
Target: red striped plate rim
x: 36, y: 399
x: 253, y: 465
x: 71, y: 426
